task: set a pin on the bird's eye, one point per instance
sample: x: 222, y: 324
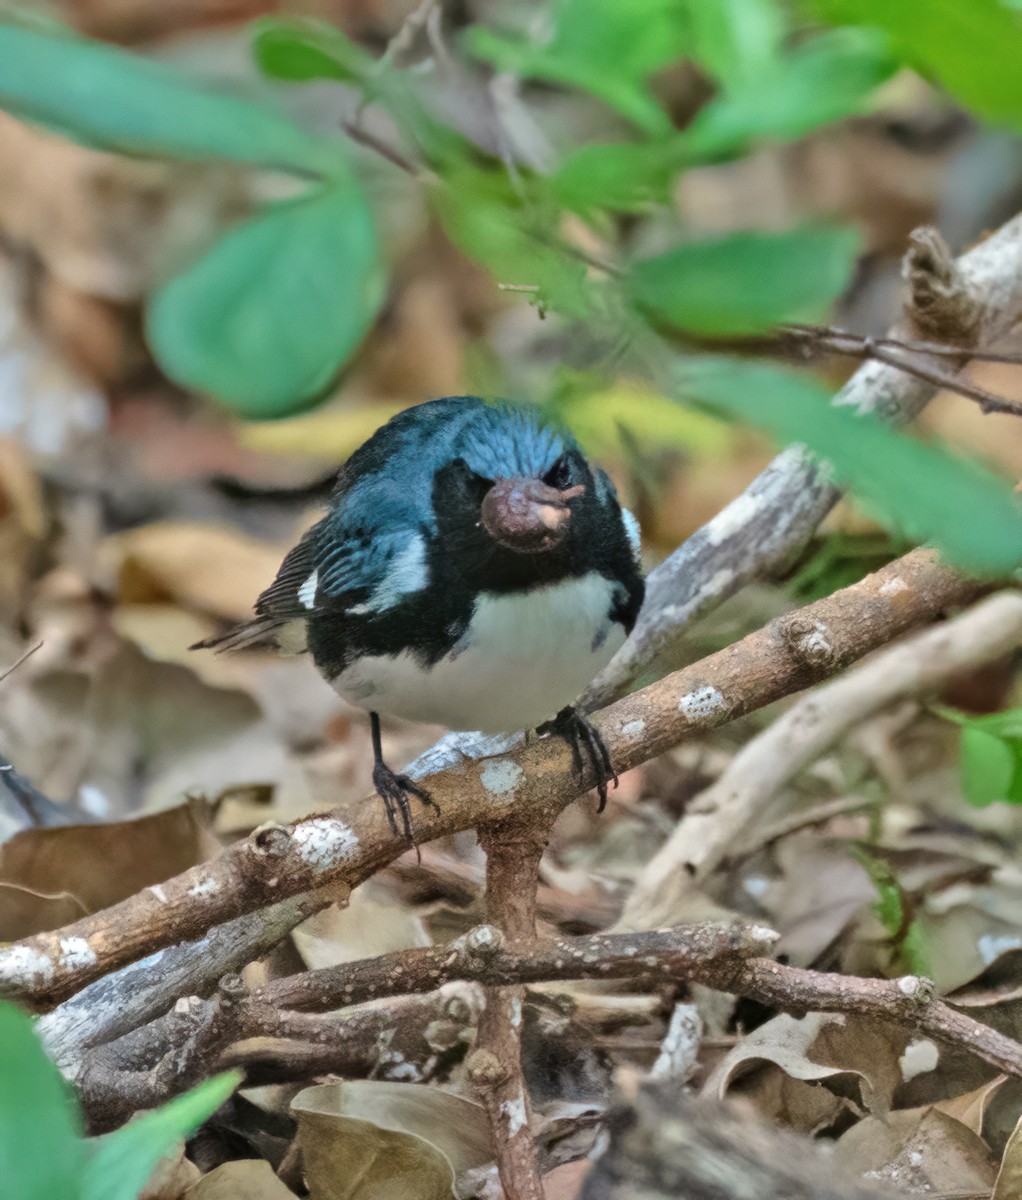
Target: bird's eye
x: 559, y: 475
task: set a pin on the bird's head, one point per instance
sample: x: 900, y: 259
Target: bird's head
x: 521, y: 484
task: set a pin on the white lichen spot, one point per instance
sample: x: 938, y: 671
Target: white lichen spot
x: 94, y: 800
x: 307, y: 592
x: 893, y: 586
x: 324, y: 842
x: 513, y: 1111
x: 993, y: 945
x: 24, y: 967
x: 500, y: 775
x: 918, y: 1058
x: 816, y: 644
x: 763, y: 935
x: 205, y: 887
x: 633, y: 728
x: 701, y: 703
x: 76, y: 953
x: 159, y: 893
x: 908, y: 985
x: 516, y: 1012
x: 733, y: 518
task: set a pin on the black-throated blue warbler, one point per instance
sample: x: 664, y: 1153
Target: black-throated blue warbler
x: 473, y: 570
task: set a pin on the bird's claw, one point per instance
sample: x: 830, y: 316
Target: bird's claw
x: 394, y: 790
x: 586, y: 744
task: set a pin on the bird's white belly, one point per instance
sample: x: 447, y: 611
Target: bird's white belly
x: 523, y: 657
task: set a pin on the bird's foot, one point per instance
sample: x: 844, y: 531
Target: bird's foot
x: 587, y: 748
x: 394, y: 790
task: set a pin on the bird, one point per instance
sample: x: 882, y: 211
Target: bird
x: 473, y: 570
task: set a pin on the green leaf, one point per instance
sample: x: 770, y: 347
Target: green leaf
x: 825, y: 79
x: 990, y: 767
x: 270, y: 314
x: 605, y: 47
x: 737, y: 40
x: 745, y: 282
x: 991, y: 756
x: 973, y: 49
x: 121, y: 1162
x: 299, y: 49
x: 970, y: 515
x: 624, y: 176
x: 113, y: 100
x: 40, y: 1151
x: 515, y: 240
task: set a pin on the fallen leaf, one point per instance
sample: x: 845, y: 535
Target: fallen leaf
x: 211, y: 568
x: 246, y: 1179
x: 369, y: 1140
x: 918, y: 1151
x: 49, y: 877
x: 370, y: 924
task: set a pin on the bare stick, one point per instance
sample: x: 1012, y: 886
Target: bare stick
x: 712, y: 822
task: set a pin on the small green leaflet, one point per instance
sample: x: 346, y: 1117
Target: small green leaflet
x: 490, y: 222
x: 973, y: 49
x: 822, y: 80
x: 298, y: 50
x: 113, y: 100
x: 121, y: 1162
x: 607, y: 47
x: 930, y: 495
x: 266, y: 319
x: 41, y: 1151
x: 745, y: 282
x: 991, y: 756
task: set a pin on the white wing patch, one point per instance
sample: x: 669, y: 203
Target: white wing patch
x: 307, y: 592
x: 408, y: 573
x: 633, y: 531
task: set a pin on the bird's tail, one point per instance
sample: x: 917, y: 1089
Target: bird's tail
x: 263, y: 631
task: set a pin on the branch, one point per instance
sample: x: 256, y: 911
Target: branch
x: 711, y: 823
x: 259, y: 1029
x: 969, y: 302
x: 279, y: 861
x: 513, y: 851
x: 99, y: 1013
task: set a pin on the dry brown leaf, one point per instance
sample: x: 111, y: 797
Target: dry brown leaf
x: 371, y: 923
x: 246, y: 1179
x: 57, y: 875
x: 918, y: 1150
x: 818, y: 1047
x: 1008, y: 1185
x: 213, y: 569
x: 368, y: 1140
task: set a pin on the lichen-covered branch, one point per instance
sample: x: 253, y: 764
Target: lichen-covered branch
x: 513, y: 850
x: 533, y: 781
x: 273, y: 1040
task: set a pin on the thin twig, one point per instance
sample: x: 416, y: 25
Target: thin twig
x: 15, y: 665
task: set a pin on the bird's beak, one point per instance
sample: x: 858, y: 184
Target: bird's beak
x: 527, y: 515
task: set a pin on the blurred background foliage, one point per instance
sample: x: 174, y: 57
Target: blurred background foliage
x: 549, y: 145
